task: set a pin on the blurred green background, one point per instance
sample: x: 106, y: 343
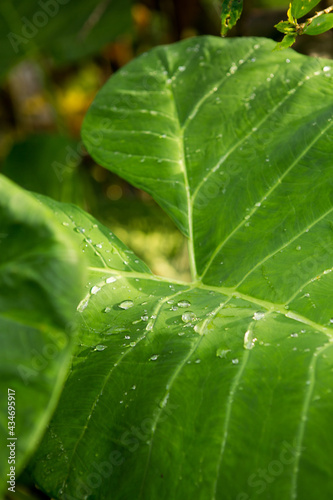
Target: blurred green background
x: 55, y: 55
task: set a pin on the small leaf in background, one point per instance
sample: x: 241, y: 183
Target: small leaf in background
x: 319, y: 25
x: 231, y: 12
x: 71, y: 30
x: 300, y: 8
x: 285, y: 27
x: 286, y: 42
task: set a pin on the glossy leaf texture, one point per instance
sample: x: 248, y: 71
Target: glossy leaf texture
x: 65, y: 29
x: 231, y: 12
x: 220, y: 388
x: 319, y: 25
x: 185, y: 385
x: 40, y: 284
x: 300, y: 8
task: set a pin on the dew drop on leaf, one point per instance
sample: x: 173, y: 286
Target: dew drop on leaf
x: 249, y: 341
x: 258, y: 315
x: 81, y: 307
x: 222, y: 353
x: 188, y: 316
x: 154, y: 357
x: 100, y: 347
x: 112, y: 279
x: 107, y: 310
x: 235, y: 361
x: 184, y: 303
x: 126, y: 304
x: 95, y: 289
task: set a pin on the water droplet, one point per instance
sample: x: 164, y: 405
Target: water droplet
x: 258, y: 315
x: 233, y: 68
x: 107, y: 310
x: 81, y: 307
x: 112, y: 279
x: 65, y: 224
x: 94, y: 290
x: 299, y: 247
x: 99, y: 245
x: 197, y: 361
x: 145, y: 317
x: 249, y: 341
x: 181, y: 333
x: 326, y: 68
x: 100, y: 347
x: 80, y: 230
x: 188, y: 316
x: 184, y: 303
x: 294, y: 335
x: 331, y: 320
x: 235, y: 361
x: 126, y: 304
x: 222, y: 353
x: 154, y: 357
x: 181, y: 68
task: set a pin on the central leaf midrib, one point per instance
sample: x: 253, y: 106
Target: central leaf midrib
x: 229, y: 292
x: 182, y: 162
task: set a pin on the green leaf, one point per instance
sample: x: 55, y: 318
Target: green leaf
x: 219, y: 388
x: 66, y: 30
x: 300, y: 8
x: 286, y: 42
x: 285, y: 27
x: 40, y: 284
x: 231, y: 12
x: 319, y: 25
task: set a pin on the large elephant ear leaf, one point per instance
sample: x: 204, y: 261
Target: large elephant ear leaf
x: 40, y: 287
x: 226, y: 147
x: 220, y: 388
